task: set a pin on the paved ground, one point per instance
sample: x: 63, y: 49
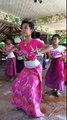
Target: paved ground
x: 53, y: 108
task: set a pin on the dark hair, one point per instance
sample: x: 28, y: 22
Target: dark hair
x: 9, y: 38
x: 56, y: 35
x: 30, y: 23
x: 33, y: 35
x: 37, y: 34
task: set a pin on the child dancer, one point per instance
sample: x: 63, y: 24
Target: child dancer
x: 55, y: 75
x: 64, y: 57
x: 10, y: 69
x: 27, y: 88
x: 65, y: 72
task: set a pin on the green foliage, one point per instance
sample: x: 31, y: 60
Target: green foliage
x: 10, y: 18
x: 45, y: 19
x: 2, y: 44
x: 63, y: 40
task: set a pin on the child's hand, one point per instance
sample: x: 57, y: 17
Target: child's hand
x: 34, y: 50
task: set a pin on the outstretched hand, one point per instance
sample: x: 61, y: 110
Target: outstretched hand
x: 34, y: 50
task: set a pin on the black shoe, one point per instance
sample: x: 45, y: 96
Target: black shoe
x: 57, y: 94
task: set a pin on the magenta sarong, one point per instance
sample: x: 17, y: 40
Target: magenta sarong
x: 55, y: 75
x: 10, y: 69
x: 27, y: 91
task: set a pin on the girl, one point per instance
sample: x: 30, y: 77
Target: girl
x: 27, y: 87
x: 55, y: 75
x: 10, y: 69
x: 64, y: 57
x: 65, y: 71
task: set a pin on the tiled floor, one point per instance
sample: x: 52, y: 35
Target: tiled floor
x: 53, y: 108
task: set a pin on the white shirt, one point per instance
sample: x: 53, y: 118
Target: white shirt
x: 11, y: 55
x: 56, y: 53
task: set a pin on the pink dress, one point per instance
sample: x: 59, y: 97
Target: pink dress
x: 27, y: 87
x: 55, y: 74
x: 10, y: 69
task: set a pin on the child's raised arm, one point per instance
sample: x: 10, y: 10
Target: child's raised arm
x: 46, y: 49
x: 13, y: 49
